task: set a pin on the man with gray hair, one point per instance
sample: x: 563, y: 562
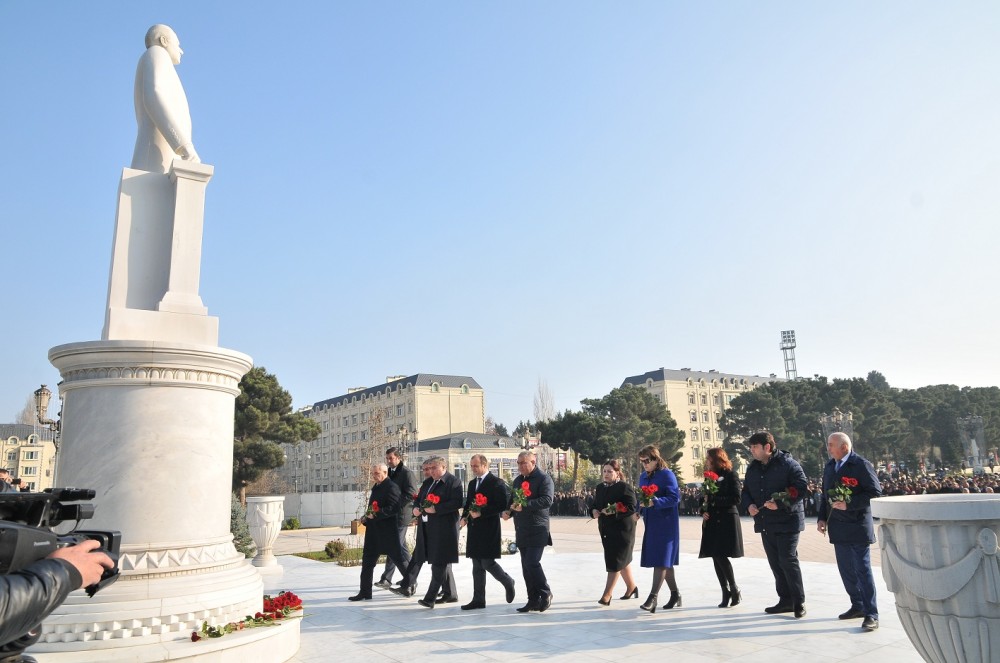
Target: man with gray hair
x: 529, y: 506
x: 381, y: 537
x: 441, y: 532
x: 849, y: 485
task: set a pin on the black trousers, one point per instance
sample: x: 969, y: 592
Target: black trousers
x: 783, y: 557
x: 480, y: 567
x: 535, y: 583
x: 369, y: 561
x: 441, y: 577
x: 390, y: 566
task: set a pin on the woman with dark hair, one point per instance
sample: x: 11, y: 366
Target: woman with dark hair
x: 661, y: 542
x: 721, y: 533
x: 614, y: 508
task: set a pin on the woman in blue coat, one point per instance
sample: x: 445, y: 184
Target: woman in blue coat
x: 661, y: 541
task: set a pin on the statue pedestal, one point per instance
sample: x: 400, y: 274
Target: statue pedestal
x: 149, y: 426
x: 939, y: 559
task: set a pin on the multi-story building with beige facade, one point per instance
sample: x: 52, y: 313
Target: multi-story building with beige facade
x: 29, y: 454
x: 365, y: 421
x: 696, y: 401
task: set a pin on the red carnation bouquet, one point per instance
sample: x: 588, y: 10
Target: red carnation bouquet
x: 613, y: 509
x: 478, y: 503
x: 430, y: 500
x: 786, y: 497
x: 711, y: 484
x: 648, y: 493
x: 844, y: 490
x: 522, y: 494
x: 371, y: 510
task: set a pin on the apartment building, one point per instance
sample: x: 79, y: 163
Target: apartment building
x: 696, y: 401
x: 366, y: 420
x: 29, y: 454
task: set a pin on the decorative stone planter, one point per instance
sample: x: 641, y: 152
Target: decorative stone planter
x: 265, y: 515
x: 939, y: 559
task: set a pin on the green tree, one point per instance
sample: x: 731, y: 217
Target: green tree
x: 616, y: 426
x: 264, y: 419
x: 878, y: 382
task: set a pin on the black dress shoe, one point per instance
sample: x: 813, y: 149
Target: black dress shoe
x: 546, y: 603
x: 604, y: 601
x: 870, y: 624
x: 473, y: 606
x: 446, y: 599
x: 404, y: 591
x: 675, y: 601
x: 383, y: 584
x: 853, y: 613
x: 528, y: 607
x: 737, y: 597
x: 800, y: 611
x: 510, y: 591
x: 359, y: 597
x: 426, y: 603
x: 634, y: 594
x: 778, y: 609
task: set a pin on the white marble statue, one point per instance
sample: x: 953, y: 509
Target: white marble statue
x: 161, y: 107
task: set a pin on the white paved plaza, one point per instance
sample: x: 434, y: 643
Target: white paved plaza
x: 576, y: 628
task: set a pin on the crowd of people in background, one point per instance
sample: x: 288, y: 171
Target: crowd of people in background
x: 579, y: 502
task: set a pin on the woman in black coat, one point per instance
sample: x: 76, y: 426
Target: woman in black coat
x: 617, y: 528
x: 721, y: 534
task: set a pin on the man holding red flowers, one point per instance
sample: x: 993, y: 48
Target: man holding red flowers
x: 486, y: 499
x: 774, y: 472
x: 849, y: 485
x: 381, y: 537
x: 529, y: 506
x: 441, y: 505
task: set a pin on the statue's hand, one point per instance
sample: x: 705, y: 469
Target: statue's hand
x: 188, y: 153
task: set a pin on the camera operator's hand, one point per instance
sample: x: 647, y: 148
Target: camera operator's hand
x: 89, y: 564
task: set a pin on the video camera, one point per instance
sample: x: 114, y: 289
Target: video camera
x: 26, y: 536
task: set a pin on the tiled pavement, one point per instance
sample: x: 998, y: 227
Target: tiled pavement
x: 576, y: 628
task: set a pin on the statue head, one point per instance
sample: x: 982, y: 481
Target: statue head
x: 162, y: 35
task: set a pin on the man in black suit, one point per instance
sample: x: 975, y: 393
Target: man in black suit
x: 850, y: 524
x: 485, y: 500
x: 531, y: 527
x: 407, y: 585
x: 400, y: 476
x: 441, y: 532
x: 381, y: 537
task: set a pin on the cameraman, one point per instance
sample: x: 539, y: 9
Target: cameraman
x: 28, y: 596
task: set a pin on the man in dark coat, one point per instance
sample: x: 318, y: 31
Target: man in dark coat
x: 531, y: 527
x: 779, y: 523
x: 407, y: 585
x: 441, y: 532
x: 400, y: 475
x: 381, y: 537
x: 849, y: 522
x: 486, y: 498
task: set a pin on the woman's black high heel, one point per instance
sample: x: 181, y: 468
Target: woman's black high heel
x: 650, y: 604
x: 604, y: 601
x: 674, y: 602
x: 725, y: 598
x: 634, y: 594
x: 737, y: 597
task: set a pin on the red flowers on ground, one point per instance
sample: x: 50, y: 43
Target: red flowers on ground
x: 277, y: 608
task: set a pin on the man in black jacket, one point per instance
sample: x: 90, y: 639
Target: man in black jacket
x: 441, y: 532
x: 531, y: 528
x: 848, y: 517
x: 381, y: 536
x: 778, y: 521
x: 400, y: 476
x: 485, y: 500
x: 30, y: 595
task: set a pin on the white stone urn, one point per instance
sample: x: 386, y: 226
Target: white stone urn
x: 939, y: 559
x: 265, y: 515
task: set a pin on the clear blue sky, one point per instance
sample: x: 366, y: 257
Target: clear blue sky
x: 573, y: 191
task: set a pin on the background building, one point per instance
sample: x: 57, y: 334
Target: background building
x: 458, y: 448
x: 29, y: 454
x: 696, y: 401
x: 358, y: 426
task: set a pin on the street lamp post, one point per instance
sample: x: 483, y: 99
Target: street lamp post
x: 42, y: 397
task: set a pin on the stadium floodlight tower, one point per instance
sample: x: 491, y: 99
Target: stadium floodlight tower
x: 788, y: 349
